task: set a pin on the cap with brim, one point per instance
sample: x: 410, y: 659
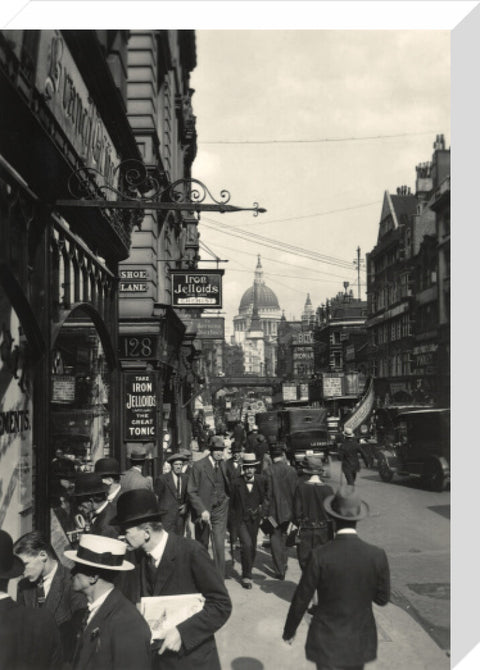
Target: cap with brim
x: 249, y: 459
x: 312, y: 465
x: 345, y: 504
x: 100, y: 552
x: 135, y: 507
x: 10, y: 565
x: 177, y: 457
x: 217, y: 443
x: 89, y: 484
x: 138, y: 455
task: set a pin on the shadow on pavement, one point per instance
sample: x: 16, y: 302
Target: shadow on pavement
x: 246, y: 663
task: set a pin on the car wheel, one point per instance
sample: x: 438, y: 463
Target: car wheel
x: 384, y: 470
x: 435, y: 477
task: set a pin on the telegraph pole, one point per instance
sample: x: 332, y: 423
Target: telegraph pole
x: 358, y: 262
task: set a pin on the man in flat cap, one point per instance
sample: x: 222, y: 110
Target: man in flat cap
x: 170, y: 565
x: 348, y: 575
x: 208, y: 494
x: 171, y: 491
x: 114, y: 634
x: 29, y: 638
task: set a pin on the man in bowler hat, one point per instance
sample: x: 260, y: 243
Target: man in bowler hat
x: 29, y: 638
x: 114, y: 634
x: 208, y: 494
x: 171, y: 491
x: 169, y: 565
x: 92, y: 503
x: 133, y: 478
x: 109, y: 470
x: 348, y: 575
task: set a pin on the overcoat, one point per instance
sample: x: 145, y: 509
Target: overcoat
x: 282, y: 481
x: 185, y: 567
x: 116, y: 638
x: 66, y: 605
x: 348, y: 575
x: 29, y: 638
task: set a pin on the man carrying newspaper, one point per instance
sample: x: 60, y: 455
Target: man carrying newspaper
x: 169, y: 565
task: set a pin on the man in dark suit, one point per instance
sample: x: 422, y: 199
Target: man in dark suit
x: 248, y: 498
x: 114, y: 634
x: 48, y: 584
x: 109, y: 471
x: 208, y: 494
x: 171, y: 491
x: 168, y: 565
x: 282, y: 481
x: 29, y: 638
x: 92, y: 503
x: 348, y: 450
x: 234, y: 470
x: 348, y: 575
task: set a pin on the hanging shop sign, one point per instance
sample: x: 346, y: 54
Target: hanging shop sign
x: 212, y: 328
x: 140, y: 407
x: 68, y: 98
x: 197, y: 288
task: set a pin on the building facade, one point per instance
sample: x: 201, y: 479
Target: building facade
x: 64, y: 136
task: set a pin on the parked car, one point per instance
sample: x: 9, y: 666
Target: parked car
x: 420, y: 448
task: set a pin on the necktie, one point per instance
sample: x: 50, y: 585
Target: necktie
x: 179, y: 488
x: 151, y: 572
x: 40, y: 593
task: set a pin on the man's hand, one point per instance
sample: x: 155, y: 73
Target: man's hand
x: 172, y: 641
x: 205, y: 516
x: 182, y: 509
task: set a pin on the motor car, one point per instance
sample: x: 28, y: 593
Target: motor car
x: 420, y: 448
x: 304, y: 432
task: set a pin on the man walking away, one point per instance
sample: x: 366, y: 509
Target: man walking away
x: 114, y: 634
x: 29, y: 638
x: 133, y: 478
x: 348, y: 451
x: 282, y: 481
x: 348, y: 575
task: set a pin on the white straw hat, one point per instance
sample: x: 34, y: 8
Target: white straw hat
x: 100, y: 552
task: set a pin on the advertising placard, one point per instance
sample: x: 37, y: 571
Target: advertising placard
x: 140, y: 406
x: 289, y: 392
x: 210, y: 328
x: 332, y: 385
x: 197, y: 288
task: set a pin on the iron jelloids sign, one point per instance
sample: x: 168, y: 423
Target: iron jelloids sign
x: 140, y: 407
x: 197, y: 288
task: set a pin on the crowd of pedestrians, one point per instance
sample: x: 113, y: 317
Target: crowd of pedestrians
x: 137, y: 538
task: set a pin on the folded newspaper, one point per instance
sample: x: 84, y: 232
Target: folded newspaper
x: 164, y: 612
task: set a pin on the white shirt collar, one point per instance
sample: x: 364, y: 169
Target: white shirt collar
x: 112, y: 496
x: 3, y: 596
x: 93, y: 607
x: 346, y: 531
x: 100, y: 509
x: 157, y: 551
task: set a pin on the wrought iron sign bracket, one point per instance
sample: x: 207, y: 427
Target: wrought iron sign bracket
x: 86, y: 184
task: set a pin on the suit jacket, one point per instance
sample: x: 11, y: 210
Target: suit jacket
x: 29, y: 638
x: 282, y: 481
x: 117, y: 637
x: 66, y: 605
x: 167, y: 498
x: 101, y: 524
x: 348, y: 575
x: 133, y: 479
x: 200, y: 487
x: 185, y: 567
x: 248, y: 506
x: 232, y: 471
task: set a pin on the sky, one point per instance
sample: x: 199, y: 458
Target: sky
x: 314, y: 125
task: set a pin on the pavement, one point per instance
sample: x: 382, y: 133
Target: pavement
x: 252, y: 637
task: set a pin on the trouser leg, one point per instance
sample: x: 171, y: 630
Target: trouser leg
x: 218, y: 518
x: 278, y: 548
x: 245, y: 550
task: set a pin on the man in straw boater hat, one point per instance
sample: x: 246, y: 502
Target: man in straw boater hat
x: 29, y: 638
x: 171, y: 491
x: 348, y: 575
x: 248, y: 500
x: 92, y: 503
x: 169, y: 565
x: 114, y: 634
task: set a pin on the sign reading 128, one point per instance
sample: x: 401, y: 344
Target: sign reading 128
x: 137, y: 346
